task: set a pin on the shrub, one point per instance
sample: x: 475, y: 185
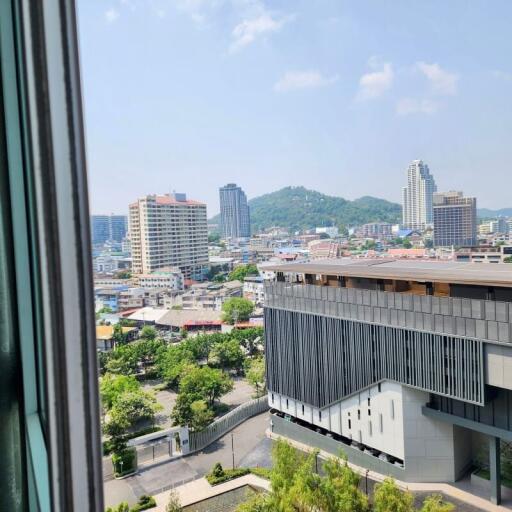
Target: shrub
x: 217, y: 470
x: 145, y: 502
x: 124, y: 462
x: 228, y: 474
x: 261, y: 472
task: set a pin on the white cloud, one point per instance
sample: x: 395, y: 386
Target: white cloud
x: 441, y: 81
x: 408, y: 106
x: 375, y: 83
x: 302, y: 80
x: 247, y: 31
x: 198, y: 10
x: 111, y: 15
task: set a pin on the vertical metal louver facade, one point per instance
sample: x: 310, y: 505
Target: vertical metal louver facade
x: 319, y: 360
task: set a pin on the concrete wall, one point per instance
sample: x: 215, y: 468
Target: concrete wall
x: 378, y: 425
x: 434, y: 451
x: 498, y: 366
x: 310, y: 438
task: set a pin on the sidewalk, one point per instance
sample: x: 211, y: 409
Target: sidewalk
x: 199, y: 490
x: 448, y: 490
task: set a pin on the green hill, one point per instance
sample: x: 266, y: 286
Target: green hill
x: 485, y: 213
x: 297, y: 208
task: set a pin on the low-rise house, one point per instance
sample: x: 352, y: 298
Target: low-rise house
x: 190, y: 320
x: 170, y: 279
x: 254, y: 289
x: 210, y: 296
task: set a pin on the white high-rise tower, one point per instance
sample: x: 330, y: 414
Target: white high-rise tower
x: 417, y: 196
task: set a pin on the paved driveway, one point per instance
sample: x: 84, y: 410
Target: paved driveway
x: 251, y: 448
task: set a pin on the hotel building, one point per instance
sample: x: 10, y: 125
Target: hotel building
x: 169, y: 231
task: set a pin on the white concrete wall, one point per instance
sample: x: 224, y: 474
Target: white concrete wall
x: 432, y: 451
x: 431, y: 454
x: 350, y: 417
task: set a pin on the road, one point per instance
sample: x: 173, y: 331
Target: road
x: 251, y: 448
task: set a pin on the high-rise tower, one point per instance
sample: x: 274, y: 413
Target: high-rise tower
x: 234, y: 212
x: 417, y: 196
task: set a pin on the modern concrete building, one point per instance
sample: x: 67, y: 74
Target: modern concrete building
x: 234, y: 212
x: 108, y: 228
x: 169, y: 231
x: 168, y: 278
x: 455, y: 220
x: 484, y: 254
x: 404, y: 365
x: 376, y: 230
x: 417, y: 196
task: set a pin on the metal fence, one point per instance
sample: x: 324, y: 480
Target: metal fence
x: 199, y: 440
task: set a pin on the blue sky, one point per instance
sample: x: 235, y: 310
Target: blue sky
x: 337, y: 96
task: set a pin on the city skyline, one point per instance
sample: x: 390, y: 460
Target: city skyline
x: 338, y: 97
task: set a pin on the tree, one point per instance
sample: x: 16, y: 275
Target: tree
x: 201, y: 345
x: 123, y: 274
x: 255, y: 374
x: 435, y: 503
x: 508, y: 259
x: 237, y: 309
x: 174, y: 503
x: 192, y: 411
x: 296, y: 485
x: 122, y: 360
x: 118, y: 335
x: 248, y: 338
x: 206, y: 383
x: 339, y: 490
x: 242, y: 271
x: 181, y: 414
x: 213, y: 237
x: 389, y: 498
x: 228, y: 354
x: 407, y: 244
x: 112, y: 387
x: 133, y: 406
x: 172, y: 362
x: 258, y: 503
x: 201, y: 415
x: 148, y: 332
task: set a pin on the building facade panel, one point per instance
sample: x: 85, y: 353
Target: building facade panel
x: 319, y: 360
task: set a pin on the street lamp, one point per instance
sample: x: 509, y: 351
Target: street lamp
x: 121, y: 462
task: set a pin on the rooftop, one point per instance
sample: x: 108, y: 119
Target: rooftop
x: 182, y: 317
x: 495, y: 274
x: 105, y: 332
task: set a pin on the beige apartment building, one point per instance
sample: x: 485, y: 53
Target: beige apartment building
x: 169, y: 231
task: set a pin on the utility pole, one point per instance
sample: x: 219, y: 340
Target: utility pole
x: 232, y: 450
